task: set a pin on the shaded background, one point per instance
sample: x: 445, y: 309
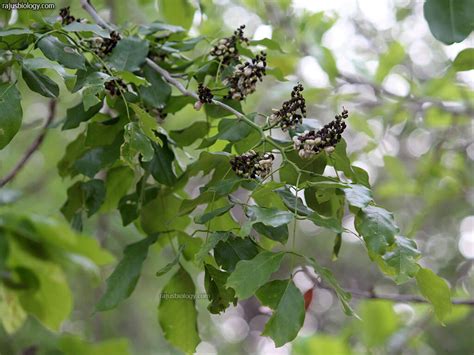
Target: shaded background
x: 410, y: 127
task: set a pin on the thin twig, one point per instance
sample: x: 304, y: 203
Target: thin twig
x: 33, y: 147
x: 383, y: 296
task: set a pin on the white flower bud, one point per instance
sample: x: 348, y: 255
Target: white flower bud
x: 329, y: 149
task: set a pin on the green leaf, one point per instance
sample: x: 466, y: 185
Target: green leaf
x: 287, y: 304
x: 269, y: 216
x: 229, y: 251
x: 158, y: 93
x: 124, y: 278
x: 291, y: 201
x: 374, y: 331
x: 327, y: 62
x: 40, y: 83
x: 12, y: 113
x: 51, y: 302
x: 402, y: 259
x: 16, y: 38
x: 249, y: 275
x: 148, y: 124
x: 358, y: 195
x: 170, y: 265
x: 70, y: 344
x: 436, y: 291
x: 337, y: 247
x: 233, y: 130
x: 131, y: 78
x: 161, y: 165
x: 135, y: 142
x: 77, y: 114
x: 450, y: 21
x: 279, y: 234
x: 13, y: 315
x: 377, y: 227
x: 464, y: 60
x: 269, y: 43
x: 62, y: 53
x: 206, y: 217
x: 394, y: 55
x: 87, y: 196
x: 214, y: 111
x: 210, y: 243
x: 327, y: 276
x: 167, y: 203
x: 129, y: 54
x: 117, y: 182
x: 219, y: 295
x: 189, y: 135
x: 177, y: 12
x: 325, y: 222
x: 177, y: 315
x: 321, y: 344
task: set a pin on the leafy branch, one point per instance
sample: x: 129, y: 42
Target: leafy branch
x: 33, y: 147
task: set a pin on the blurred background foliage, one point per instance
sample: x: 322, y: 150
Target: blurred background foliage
x: 411, y: 128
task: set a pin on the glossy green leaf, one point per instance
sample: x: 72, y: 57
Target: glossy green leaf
x: 124, y: 278
x: 269, y: 43
x: 135, y: 142
x: 450, y: 21
x: 117, y: 182
x: 40, y: 83
x: 129, y: 54
x: 77, y: 114
x: 165, y: 269
x: 161, y: 165
x: 229, y: 251
x: 92, y: 28
x: 402, y: 258
x: 12, y: 113
x: 269, y: 216
x: 279, y: 234
x: 219, y: 295
x: 326, y: 222
x: 436, y: 291
x: 249, y: 275
x: 327, y: 276
x: 464, y: 60
x: 158, y: 93
x: 177, y: 315
x: 358, y: 195
x: 287, y: 304
x: 376, y: 225
x: 210, y: 243
x: 62, y: 53
x: 16, y: 38
x: 206, y: 217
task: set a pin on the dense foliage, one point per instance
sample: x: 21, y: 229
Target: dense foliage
x: 225, y: 189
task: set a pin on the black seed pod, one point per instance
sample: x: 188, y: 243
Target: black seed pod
x: 205, y: 94
x: 288, y: 116
x: 114, y: 86
x: 313, y: 142
x: 243, y: 80
x: 252, y: 165
x: 226, y: 49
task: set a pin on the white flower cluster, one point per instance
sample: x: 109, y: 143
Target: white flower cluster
x: 252, y: 165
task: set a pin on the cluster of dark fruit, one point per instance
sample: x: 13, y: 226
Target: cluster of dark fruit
x: 243, y: 80
x: 313, y: 142
x: 288, y: 116
x: 115, y: 87
x: 158, y: 113
x: 66, y: 16
x: 103, y: 46
x: 226, y: 49
x: 205, y: 94
x: 252, y: 165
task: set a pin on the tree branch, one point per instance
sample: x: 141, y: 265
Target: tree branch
x: 33, y: 147
x: 87, y: 6
x: 383, y: 296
